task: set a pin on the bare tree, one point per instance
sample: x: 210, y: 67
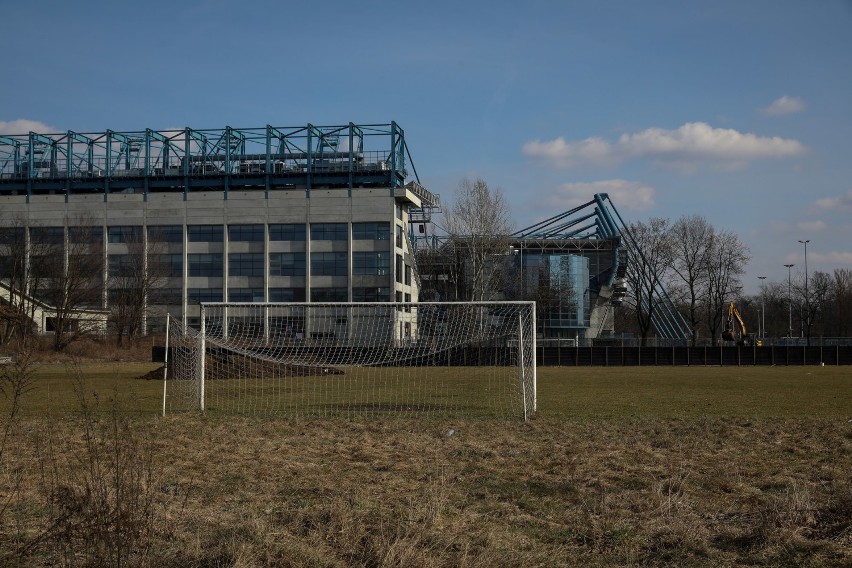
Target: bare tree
x: 841, y: 302
x: 133, y: 279
x: 813, y: 299
x: 692, y: 238
x: 76, y: 284
x: 650, y: 260
x: 25, y: 266
x: 726, y: 263
x: 478, y: 225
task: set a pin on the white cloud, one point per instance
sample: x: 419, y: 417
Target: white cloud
x: 785, y: 105
x: 811, y: 225
x: 631, y: 195
x: 839, y: 203
x: 685, y: 148
x: 831, y: 258
x: 24, y: 126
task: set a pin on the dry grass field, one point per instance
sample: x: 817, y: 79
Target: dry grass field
x: 670, y: 466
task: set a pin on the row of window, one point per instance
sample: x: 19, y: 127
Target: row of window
x: 204, y: 233
x: 251, y: 264
x: 173, y: 296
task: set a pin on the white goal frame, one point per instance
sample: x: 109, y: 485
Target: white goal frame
x: 409, y: 352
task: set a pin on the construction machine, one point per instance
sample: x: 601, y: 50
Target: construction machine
x: 738, y: 334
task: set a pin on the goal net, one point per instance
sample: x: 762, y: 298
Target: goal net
x: 336, y: 359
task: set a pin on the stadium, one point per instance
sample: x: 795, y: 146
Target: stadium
x: 281, y: 214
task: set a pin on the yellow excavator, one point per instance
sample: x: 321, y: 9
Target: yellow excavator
x: 738, y: 333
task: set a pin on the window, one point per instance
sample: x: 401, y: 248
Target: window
x: 329, y: 264
x: 398, y: 236
x: 205, y: 233
x: 166, y: 264
x: 245, y: 294
x: 252, y: 233
x: 399, y: 268
x: 371, y: 231
x: 205, y: 265
x: 407, y: 275
x: 48, y: 235
x: 287, y: 232
x: 121, y: 265
x: 125, y: 234
x: 245, y: 264
x: 11, y: 235
x: 165, y: 233
x: 329, y: 232
x: 329, y: 294
x: 167, y: 296
x: 287, y: 264
x: 370, y: 294
x: 371, y: 263
x: 198, y: 295
x: 85, y: 235
x: 286, y: 294
x: 399, y: 211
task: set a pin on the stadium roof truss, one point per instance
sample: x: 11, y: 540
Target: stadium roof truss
x: 304, y: 157
x: 598, y: 226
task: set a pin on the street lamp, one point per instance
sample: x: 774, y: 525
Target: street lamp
x: 762, y: 306
x: 807, y: 298
x: 789, y: 301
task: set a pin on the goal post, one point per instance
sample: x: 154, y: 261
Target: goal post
x: 350, y: 359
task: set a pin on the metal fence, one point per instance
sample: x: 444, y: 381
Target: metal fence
x: 697, y: 356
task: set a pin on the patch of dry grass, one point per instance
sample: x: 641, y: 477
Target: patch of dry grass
x: 703, y: 492
x: 614, y: 472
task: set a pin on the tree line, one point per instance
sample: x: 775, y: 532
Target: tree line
x: 702, y: 268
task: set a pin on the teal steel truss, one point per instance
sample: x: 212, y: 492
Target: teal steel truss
x: 268, y: 158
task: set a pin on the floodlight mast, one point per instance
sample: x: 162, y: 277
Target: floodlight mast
x: 789, y: 302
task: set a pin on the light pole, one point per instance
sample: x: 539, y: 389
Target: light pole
x: 789, y: 301
x: 807, y: 298
x: 762, y: 307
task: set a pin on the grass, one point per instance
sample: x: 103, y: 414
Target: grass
x: 660, y: 466
x: 576, y: 393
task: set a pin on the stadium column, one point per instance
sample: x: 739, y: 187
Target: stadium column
x: 266, y: 275
x: 226, y: 247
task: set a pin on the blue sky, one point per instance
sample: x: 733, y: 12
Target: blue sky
x: 737, y: 110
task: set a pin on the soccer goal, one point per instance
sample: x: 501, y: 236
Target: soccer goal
x: 347, y: 359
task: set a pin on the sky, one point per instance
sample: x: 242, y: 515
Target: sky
x: 740, y: 111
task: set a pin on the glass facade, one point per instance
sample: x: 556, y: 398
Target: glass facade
x: 287, y: 264
x: 286, y: 294
x: 329, y: 232
x: 329, y: 294
x: 249, y: 233
x: 287, y: 232
x: 559, y: 284
x: 245, y: 264
x: 205, y: 233
x: 370, y: 231
x: 124, y: 234
x: 165, y: 233
x: 329, y: 264
x: 204, y: 264
x: 371, y: 263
